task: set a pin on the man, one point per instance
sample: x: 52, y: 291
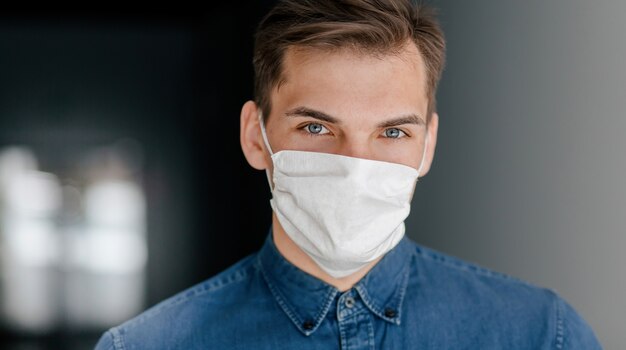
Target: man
x: 344, y: 123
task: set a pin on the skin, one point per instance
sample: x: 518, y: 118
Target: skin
x: 349, y: 103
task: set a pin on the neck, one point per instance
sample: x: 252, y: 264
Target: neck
x: 290, y: 251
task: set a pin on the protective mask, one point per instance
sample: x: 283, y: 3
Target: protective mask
x: 343, y: 212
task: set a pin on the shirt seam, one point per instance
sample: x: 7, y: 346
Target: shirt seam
x: 464, y: 266
x: 560, y: 331
x: 203, y: 288
x: 118, y: 341
x: 404, y: 287
x: 288, y: 309
x: 396, y: 300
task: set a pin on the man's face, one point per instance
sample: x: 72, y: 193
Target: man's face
x: 347, y: 103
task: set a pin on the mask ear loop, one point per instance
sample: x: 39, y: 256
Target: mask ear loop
x: 419, y: 170
x: 264, y: 134
x: 267, y: 144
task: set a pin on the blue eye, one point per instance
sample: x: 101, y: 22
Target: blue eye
x: 315, y: 128
x: 394, y: 133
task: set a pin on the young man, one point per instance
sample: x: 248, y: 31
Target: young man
x: 344, y: 123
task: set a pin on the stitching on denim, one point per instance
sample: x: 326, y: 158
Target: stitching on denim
x: 366, y: 298
x: 279, y: 298
x: 287, y: 307
x: 460, y: 265
x: 397, y: 298
x: 342, y: 332
x: 371, y: 303
x: 403, y: 287
x: 354, y: 312
x: 234, y: 277
x: 560, y: 336
x: 330, y: 296
x: 370, y: 333
x: 118, y: 342
x: 211, y: 285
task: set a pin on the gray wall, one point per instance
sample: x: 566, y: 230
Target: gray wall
x: 528, y: 177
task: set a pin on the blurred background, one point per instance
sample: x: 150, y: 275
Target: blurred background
x: 122, y: 181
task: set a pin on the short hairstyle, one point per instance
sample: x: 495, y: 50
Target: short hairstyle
x: 373, y: 27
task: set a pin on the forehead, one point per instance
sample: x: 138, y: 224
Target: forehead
x: 348, y: 80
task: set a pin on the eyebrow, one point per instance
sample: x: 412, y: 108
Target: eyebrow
x: 308, y: 112
x: 319, y: 115
x: 402, y: 120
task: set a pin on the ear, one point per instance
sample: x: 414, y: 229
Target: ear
x: 250, y: 137
x: 431, y: 131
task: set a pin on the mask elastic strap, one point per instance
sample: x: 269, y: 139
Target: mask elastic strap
x: 267, y: 144
x: 419, y: 170
x: 264, y: 134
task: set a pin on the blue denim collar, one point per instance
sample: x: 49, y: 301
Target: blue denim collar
x: 306, y: 300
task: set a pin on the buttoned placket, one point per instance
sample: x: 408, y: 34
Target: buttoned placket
x: 307, y: 300
x: 356, y: 326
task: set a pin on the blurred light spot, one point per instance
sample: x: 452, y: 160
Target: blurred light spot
x: 110, y: 251
x: 74, y: 253
x: 118, y: 204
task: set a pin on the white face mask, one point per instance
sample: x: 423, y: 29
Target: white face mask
x: 343, y: 212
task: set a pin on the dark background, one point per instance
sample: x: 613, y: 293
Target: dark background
x: 173, y: 81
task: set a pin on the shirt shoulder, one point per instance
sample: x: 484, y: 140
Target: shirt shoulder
x: 483, y: 299
x: 182, y: 318
x: 437, y: 266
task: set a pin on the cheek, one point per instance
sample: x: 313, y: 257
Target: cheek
x: 409, y: 154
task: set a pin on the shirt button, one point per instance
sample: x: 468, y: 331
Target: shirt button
x: 308, y: 325
x: 391, y: 313
x: 349, y: 302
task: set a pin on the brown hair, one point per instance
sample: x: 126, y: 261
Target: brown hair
x: 377, y: 27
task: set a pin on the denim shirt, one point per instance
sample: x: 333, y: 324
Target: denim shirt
x: 414, y: 298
